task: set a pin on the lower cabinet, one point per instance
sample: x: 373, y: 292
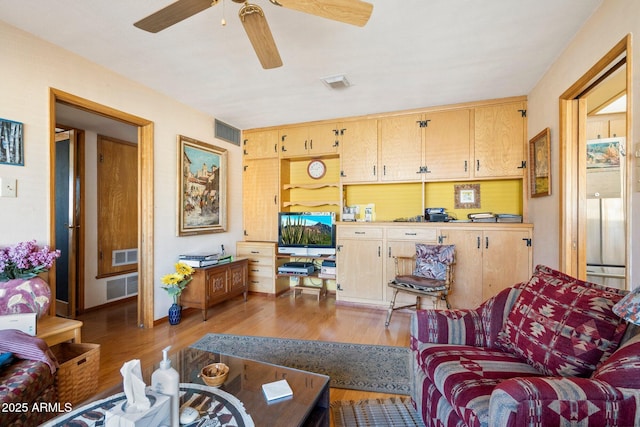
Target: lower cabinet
x: 487, y: 261
x: 263, y: 266
x: 215, y: 284
x: 359, y: 264
x: 489, y: 258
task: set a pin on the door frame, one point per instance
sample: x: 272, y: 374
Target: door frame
x: 145, y: 198
x: 573, y: 166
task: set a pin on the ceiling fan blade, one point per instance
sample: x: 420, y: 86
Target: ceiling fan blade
x: 354, y: 12
x: 172, y: 14
x: 257, y: 28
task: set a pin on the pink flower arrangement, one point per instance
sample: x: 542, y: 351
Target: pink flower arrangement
x: 25, y: 260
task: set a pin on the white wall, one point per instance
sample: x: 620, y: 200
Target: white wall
x: 29, y: 68
x: 606, y: 27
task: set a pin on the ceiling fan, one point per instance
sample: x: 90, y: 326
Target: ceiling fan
x: 354, y: 12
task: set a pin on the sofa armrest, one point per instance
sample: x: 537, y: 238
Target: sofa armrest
x: 562, y: 401
x: 460, y: 327
x: 476, y: 327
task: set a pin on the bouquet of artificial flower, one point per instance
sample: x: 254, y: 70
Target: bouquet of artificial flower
x: 25, y: 260
x: 176, y: 282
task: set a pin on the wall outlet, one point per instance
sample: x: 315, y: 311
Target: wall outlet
x: 7, y: 187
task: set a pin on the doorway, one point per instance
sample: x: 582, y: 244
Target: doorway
x: 67, y: 201
x: 576, y: 200
x: 145, y: 199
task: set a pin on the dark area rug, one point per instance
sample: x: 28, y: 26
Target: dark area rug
x: 377, y: 368
x: 375, y: 412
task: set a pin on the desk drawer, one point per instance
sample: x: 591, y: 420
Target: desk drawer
x: 359, y: 232
x: 256, y: 250
x: 256, y: 270
x: 425, y: 235
x: 261, y: 284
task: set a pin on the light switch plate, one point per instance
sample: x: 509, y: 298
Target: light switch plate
x: 7, y: 187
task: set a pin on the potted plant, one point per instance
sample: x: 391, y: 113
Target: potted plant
x: 21, y: 289
x: 174, y: 284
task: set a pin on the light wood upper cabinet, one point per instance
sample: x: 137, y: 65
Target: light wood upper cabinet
x: 359, y: 155
x: 260, y: 144
x: 401, y: 148
x: 499, y: 147
x: 260, y: 204
x: 312, y: 140
x: 447, y: 144
x: 606, y: 126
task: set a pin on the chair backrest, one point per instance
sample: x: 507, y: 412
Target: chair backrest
x: 432, y: 260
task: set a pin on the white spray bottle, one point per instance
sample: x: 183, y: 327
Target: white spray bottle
x: 166, y: 380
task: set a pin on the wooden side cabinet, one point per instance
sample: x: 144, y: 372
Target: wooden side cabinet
x: 215, y: 284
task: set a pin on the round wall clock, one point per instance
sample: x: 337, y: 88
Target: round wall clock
x: 316, y: 169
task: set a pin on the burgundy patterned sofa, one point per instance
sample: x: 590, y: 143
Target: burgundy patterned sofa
x: 549, y: 352
x: 27, y: 390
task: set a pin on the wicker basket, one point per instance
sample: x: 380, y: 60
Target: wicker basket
x: 214, y: 375
x: 77, y: 378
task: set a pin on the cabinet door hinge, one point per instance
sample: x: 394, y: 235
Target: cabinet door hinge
x: 339, y: 287
x: 523, y: 113
x: 244, y: 168
x: 101, y: 157
x: 528, y: 241
x: 523, y: 165
x: 423, y: 123
x: 244, y: 142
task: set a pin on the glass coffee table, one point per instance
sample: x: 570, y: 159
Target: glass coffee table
x: 239, y: 396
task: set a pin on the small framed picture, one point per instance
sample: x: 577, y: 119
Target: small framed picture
x: 540, y: 164
x: 467, y: 196
x: 11, y: 143
x: 202, y: 187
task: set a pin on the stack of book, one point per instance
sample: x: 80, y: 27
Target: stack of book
x: 508, y: 218
x: 482, y: 217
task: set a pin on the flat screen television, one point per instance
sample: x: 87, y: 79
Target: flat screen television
x: 307, y: 233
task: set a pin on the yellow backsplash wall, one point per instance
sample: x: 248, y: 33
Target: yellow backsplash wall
x: 394, y: 201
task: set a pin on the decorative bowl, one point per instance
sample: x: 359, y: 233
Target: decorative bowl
x: 214, y: 375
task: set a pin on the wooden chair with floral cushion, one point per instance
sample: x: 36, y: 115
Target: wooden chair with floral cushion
x: 428, y: 273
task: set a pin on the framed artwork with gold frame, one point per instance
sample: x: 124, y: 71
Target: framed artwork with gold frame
x: 540, y: 164
x: 202, y: 187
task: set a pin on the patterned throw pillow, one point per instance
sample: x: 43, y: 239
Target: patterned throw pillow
x: 432, y: 260
x: 561, y: 325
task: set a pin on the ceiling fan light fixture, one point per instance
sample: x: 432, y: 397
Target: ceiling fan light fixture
x: 336, y: 82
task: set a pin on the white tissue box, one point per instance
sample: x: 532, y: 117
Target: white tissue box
x: 158, y: 414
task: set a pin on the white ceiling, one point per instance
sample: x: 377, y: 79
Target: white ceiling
x: 411, y: 53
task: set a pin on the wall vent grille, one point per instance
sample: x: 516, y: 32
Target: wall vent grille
x: 124, y: 257
x: 122, y: 287
x: 227, y: 132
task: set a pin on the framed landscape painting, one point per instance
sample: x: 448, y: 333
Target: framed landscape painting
x: 202, y: 187
x: 11, y: 143
x: 539, y: 164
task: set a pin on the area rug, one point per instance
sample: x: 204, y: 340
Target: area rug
x: 377, y: 368
x: 375, y: 412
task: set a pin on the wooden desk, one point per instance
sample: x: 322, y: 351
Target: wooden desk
x: 54, y: 330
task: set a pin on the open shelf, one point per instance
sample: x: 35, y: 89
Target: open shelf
x: 310, y: 186
x: 313, y: 204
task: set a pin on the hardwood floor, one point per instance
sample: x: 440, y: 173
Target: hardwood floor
x: 116, y: 330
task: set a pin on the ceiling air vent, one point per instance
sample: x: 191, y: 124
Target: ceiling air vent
x: 336, y: 82
x: 226, y: 132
